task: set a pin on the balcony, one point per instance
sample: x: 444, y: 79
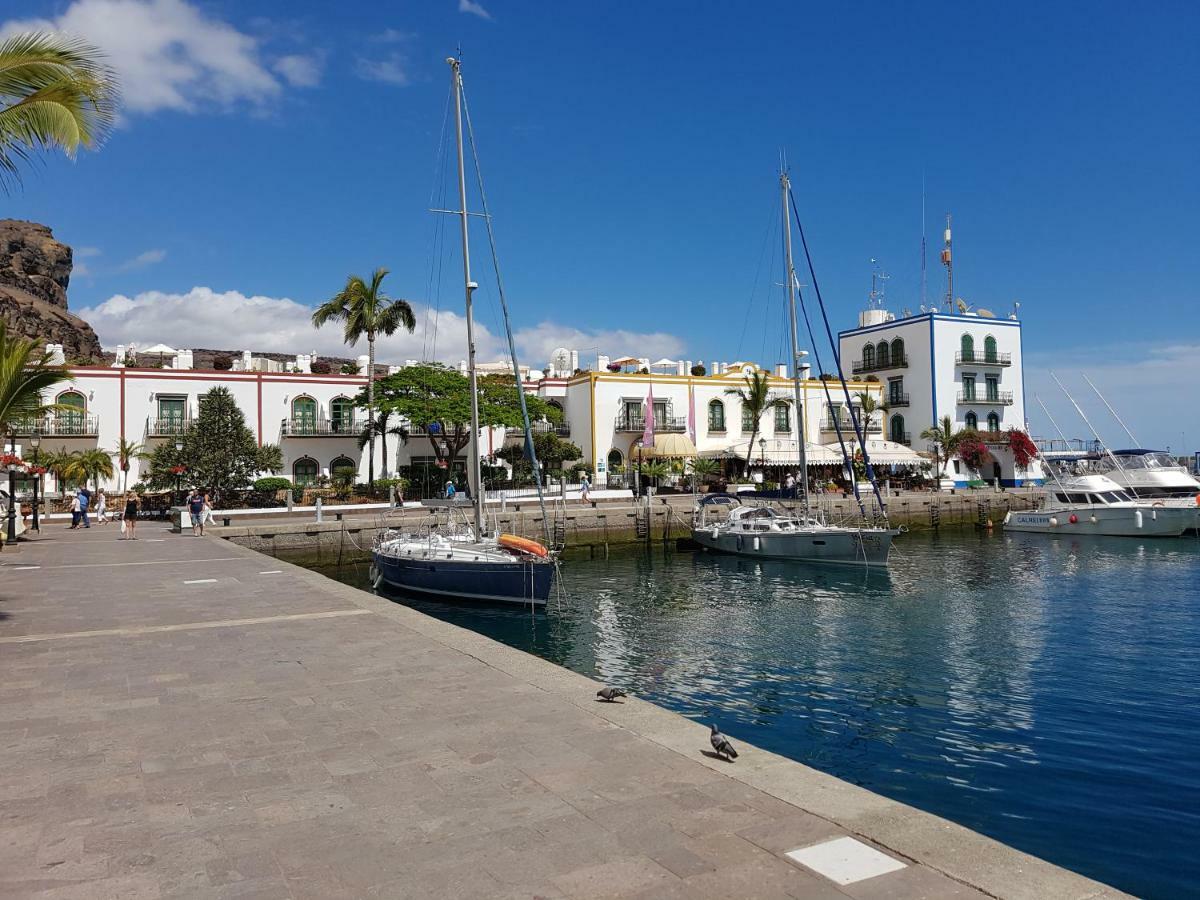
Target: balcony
x: 661, y: 423
x: 874, y: 365
x: 61, y: 425
x: 848, y: 427
x: 562, y: 429
x: 998, y: 398
x: 171, y: 426
x: 904, y: 438
x: 993, y: 437
x: 982, y: 359
x: 304, y: 427
x: 894, y: 401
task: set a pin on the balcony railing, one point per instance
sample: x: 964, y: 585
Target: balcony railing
x: 874, y: 365
x: 993, y: 437
x: 904, y: 438
x: 848, y: 426
x: 895, y: 400
x: 997, y: 398
x: 168, y: 427
x: 562, y: 429
x: 982, y: 359
x: 661, y: 423
x: 61, y: 425
x: 303, y: 427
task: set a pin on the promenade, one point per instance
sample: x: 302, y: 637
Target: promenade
x: 184, y: 717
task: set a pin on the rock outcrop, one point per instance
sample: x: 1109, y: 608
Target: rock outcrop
x: 35, y: 270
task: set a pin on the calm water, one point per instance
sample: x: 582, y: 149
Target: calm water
x: 1045, y: 692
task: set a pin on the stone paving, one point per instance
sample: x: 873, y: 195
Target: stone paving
x: 181, y: 717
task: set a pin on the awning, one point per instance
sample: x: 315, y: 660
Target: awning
x: 777, y: 452
x: 668, y: 446
x: 157, y: 348
x: 625, y: 361
x: 884, y: 453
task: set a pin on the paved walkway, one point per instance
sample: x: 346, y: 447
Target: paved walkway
x: 181, y: 717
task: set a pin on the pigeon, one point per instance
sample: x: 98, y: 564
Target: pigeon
x: 610, y: 694
x: 721, y: 744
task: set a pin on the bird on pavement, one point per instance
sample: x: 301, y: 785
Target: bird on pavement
x: 721, y: 744
x: 610, y: 694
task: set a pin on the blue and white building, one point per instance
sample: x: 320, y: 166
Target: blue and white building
x: 966, y: 366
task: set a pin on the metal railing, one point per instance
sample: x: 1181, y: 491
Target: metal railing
x: 661, y: 423
x: 996, y: 398
x: 60, y: 425
x: 895, y: 400
x: 982, y: 359
x: 562, y: 429
x: 848, y: 427
x: 904, y: 438
x: 168, y: 427
x: 875, y: 365
x: 305, y: 427
x: 993, y: 437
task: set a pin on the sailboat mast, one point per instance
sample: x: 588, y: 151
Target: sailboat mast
x: 784, y: 186
x: 474, y: 475
x: 1113, y: 411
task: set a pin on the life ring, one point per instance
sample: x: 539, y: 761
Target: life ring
x: 524, y: 545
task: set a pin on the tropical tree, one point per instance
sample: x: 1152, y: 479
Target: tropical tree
x: 703, y: 469
x: 380, y: 427
x: 126, y: 452
x: 655, y: 469
x: 868, y: 406
x: 58, y: 463
x: 756, y: 398
x: 27, y: 374
x: 366, y: 311
x: 552, y: 451
x: 54, y: 92
x: 944, y: 440
x: 90, y: 465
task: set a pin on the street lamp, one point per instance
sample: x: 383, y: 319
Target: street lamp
x: 12, y: 495
x: 762, y: 455
x: 178, y: 465
x: 35, y: 441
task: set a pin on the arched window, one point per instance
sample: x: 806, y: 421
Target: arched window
x: 341, y: 415
x: 898, y: 352
x: 304, y: 472
x: 716, y: 416
x: 555, y: 404
x: 783, y: 418
x: 968, y: 348
x: 993, y: 421
x: 304, y: 411
x: 972, y: 421
x: 615, y: 459
x: 882, y: 356
x: 748, y: 423
x: 989, y: 349
x: 342, y: 464
x: 868, y: 360
x: 70, y: 421
x: 896, y: 429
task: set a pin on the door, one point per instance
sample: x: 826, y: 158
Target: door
x: 170, y: 415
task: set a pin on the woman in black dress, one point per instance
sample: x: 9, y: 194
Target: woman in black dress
x: 130, y: 516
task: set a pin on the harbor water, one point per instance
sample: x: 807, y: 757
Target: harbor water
x: 1043, y: 691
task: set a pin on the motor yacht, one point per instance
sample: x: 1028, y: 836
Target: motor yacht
x: 1097, y: 505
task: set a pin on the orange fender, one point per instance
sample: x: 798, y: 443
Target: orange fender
x: 524, y: 545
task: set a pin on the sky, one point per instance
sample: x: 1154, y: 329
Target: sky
x: 267, y: 150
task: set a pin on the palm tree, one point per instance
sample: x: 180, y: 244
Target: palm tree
x: 58, y: 463
x: 26, y: 374
x: 944, y: 440
x: 126, y: 452
x: 756, y: 399
x: 54, y: 92
x: 91, y: 464
x: 867, y: 407
x: 702, y: 468
x: 378, y: 427
x: 366, y: 311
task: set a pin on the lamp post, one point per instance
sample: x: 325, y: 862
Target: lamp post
x: 12, y: 493
x: 35, y: 442
x: 179, y: 472
x: 762, y: 455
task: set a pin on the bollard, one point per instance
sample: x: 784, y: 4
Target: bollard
x: 225, y: 521
x: 319, y: 509
x: 338, y: 516
x: 290, y: 500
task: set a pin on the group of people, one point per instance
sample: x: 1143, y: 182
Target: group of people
x: 199, y: 509
x: 82, y: 501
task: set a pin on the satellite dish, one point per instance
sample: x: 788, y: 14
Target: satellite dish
x: 560, y: 359
x: 985, y: 313
x: 962, y: 305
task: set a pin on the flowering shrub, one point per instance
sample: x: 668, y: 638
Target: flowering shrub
x: 973, y: 452
x: 1024, y: 450
x: 11, y: 461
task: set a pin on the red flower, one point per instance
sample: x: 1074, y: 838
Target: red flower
x: 178, y: 470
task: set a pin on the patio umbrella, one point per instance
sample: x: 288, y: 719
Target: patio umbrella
x: 671, y: 446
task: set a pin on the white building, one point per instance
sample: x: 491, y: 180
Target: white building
x: 966, y: 366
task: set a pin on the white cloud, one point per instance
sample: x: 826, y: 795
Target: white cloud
x: 167, y: 53
x: 537, y: 343
x: 1146, y: 384
x: 299, y: 70
x: 87, y: 251
x: 79, y: 268
x: 475, y: 9
x: 390, y: 69
x: 143, y: 260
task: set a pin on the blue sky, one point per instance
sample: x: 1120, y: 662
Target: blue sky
x: 269, y: 149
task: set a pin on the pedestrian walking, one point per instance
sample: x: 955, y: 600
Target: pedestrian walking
x: 101, y: 508
x: 84, y: 497
x: 585, y: 489
x: 129, y: 520
x: 207, y: 518
x: 450, y: 490
x: 74, y: 511
x: 195, y: 507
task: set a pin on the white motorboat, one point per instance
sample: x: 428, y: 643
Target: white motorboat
x: 1153, y: 475
x: 1096, y: 505
x: 764, y: 532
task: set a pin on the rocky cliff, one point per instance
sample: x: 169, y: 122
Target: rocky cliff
x: 35, y: 270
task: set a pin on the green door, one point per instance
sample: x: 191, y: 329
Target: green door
x: 304, y: 414
x: 70, y: 421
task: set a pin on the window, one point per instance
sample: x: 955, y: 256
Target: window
x: 972, y: 421
x: 304, y: 411
x: 615, y: 459
x: 969, y: 387
x: 895, y: 391
x: 993, y: 388
x: 341, y: 415
x: 660, y: 413
x: 783, y: 418
x: 868, y: 360
x: 968, y: 348
x: 716, y: 416
x: 748, y: 423
x: 343, y: 462
x: 993, y: 421
x: 897, y: 352
x: 896, y: 429
x: 70, y: 421
x: 171, y: 412
x: 882, y: 355
x: 989, y: 349
x: 632, y: 415
x: 304, y: 472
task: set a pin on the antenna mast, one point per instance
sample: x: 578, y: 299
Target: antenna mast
x: 948, y: 262
x: 923, y: 241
